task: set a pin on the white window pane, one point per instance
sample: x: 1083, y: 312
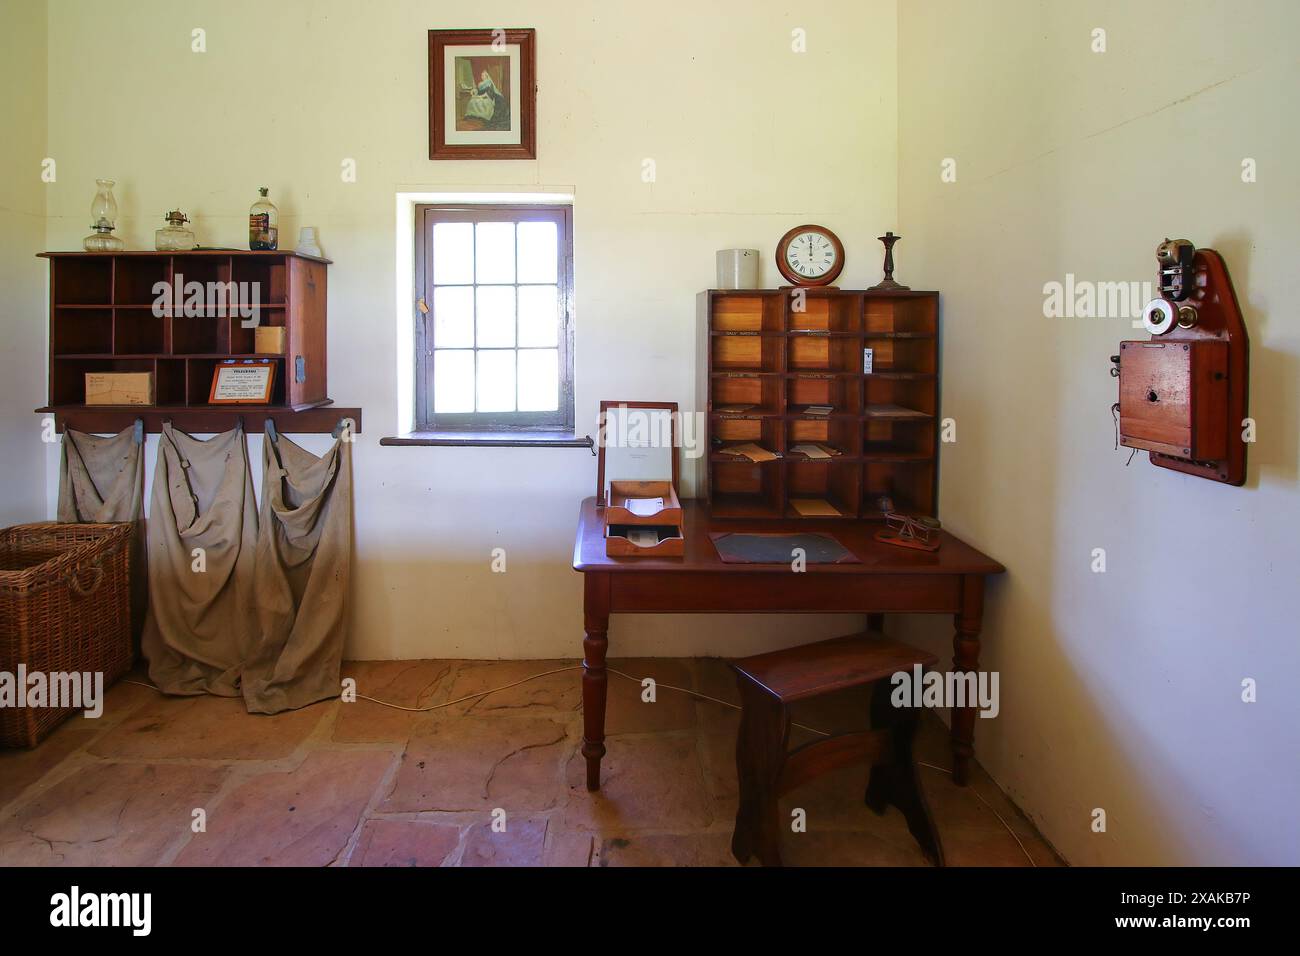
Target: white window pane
x: 496, y: 381
x: 539, y: 380
x: 495, y: 252
x: 453, y: 317
x: 539, y: 315
x: 537, y: 249
x: 496, y: 316
x: 453, y: 380
x: 453, y: 252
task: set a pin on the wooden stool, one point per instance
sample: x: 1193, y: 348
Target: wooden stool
x: 770, y: 683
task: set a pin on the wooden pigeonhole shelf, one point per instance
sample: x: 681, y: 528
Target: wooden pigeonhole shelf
x: 103, y: 318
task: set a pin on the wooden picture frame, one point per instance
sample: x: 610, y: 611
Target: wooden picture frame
x: 263, y: 397
x: 483, y: 94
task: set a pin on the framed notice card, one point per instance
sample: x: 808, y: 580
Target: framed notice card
x: 482, y: 94
x: 243, y: 383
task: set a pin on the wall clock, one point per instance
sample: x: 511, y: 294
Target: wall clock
x: 810, y: 255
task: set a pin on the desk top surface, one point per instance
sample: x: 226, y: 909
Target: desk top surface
x: 953, y: 557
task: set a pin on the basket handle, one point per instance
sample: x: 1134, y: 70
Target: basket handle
x: 97, y: 574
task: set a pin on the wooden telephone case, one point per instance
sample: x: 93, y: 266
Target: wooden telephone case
x: 1182, y: 394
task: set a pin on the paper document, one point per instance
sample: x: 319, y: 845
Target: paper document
x: 813, y: 450
x: 644, y: 507
x: 643, y: 537
x: 813, y: 507
x: 818, y: 410
x: 751, y: 451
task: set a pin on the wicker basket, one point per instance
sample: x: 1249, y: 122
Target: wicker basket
x: 64, y: 607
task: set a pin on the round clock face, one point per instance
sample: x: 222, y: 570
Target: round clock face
x: 810, y: 255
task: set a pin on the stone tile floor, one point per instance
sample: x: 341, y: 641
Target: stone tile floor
x: 198, y: 781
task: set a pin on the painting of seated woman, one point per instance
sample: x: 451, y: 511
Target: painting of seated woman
x: 482, y: 93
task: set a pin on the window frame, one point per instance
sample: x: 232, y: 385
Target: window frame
x: 426, y: 216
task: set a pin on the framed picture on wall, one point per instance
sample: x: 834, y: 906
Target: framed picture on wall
x: 482, y: 94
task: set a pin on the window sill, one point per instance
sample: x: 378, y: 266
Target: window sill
x: 517, y: 439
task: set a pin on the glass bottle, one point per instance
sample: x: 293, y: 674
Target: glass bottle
x: 103, y: 218
x: 263, y: 223
x: 174, y: 237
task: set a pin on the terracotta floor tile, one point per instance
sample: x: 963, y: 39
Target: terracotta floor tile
x: 719, y: 753
x: 983, y: 847
x: 363, y: 722
x: 120, y: 701
x: 301, y: 818
x: 568, y: 847
x: 932, y: 743
x: 627, y: 713
x: 406, y: 683
x: 847, y: 848
x: 993, y: 799
x: 405, y: 843
x: 668, y: 796
x: 714, y: 678
x: 667, y: 849
x: 108, y: 814
x: 985, y: 786
x: 213, y: 728
x: 556, y: 694
x: 520, y: 844
x: 955, y: 807
x: 409, y: 683
x: 19, y: 769
x: 480, y: 763
x: 652, y: 782
x: 716, y: 720
x: 837, y: 801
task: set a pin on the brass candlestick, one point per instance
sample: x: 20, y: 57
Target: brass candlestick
x: 888, y: 284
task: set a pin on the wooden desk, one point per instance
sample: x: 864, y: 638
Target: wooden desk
x: 888, y: 579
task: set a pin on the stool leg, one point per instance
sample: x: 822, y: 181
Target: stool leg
x: 742, y: 837
x: 893, y: 780
x: 760, y: 757
x: 880, y: 790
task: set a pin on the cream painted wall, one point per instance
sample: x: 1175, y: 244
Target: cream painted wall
x: 22, y: 276
x: 1119, y: 690
x: 748, y: 138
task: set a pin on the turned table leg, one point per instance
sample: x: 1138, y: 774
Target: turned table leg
x: 595, y: 642
x: 966, y: 657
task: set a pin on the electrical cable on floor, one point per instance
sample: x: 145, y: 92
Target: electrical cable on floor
x: 921, y: 763
x: 561, y: 670
x: 637, y: 680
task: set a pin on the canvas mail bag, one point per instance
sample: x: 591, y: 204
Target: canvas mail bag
x: 304, y: 562
x: 101, y: 479
x: 202, y: 620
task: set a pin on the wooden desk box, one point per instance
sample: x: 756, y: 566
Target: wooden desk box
x: 650, y: 469
x: 666, y: 523
x: 1173, y: 398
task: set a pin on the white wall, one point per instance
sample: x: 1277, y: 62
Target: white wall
x: 1120, y: 690
x: 749, y: 139
x: 22, y: 276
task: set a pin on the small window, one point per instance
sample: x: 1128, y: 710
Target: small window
x: 494, y: 348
